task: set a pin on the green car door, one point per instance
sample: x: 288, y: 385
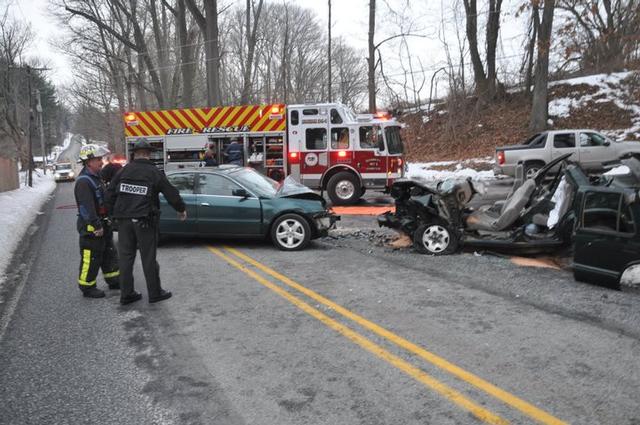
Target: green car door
x: 222, y: 212
x: 606, y: 240
x: 169, y: 223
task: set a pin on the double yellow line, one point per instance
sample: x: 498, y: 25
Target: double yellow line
x: 414, y: 372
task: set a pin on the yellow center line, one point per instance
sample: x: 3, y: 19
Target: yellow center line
x: 506, y: 397
x: 414, y: 372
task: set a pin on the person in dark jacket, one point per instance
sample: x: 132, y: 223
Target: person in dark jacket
x: 97, y: 250
x: 210, y: 157
x: 132, y: 200
x: 109, y: 170
x: 234, y: 153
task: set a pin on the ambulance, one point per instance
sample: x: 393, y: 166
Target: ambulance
x: 326, y: 147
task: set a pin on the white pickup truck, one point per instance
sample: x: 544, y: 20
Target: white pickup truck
x: 589, y: 148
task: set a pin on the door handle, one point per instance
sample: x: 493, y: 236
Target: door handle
x: 205, y: 204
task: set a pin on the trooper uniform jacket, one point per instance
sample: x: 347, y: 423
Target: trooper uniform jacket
x: 133, y: 192
x: 90, y: 199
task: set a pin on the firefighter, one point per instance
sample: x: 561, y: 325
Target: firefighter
x: 97, y: 250
x: 234, y: 152
x: 132, y: 199
x: 109, y: 170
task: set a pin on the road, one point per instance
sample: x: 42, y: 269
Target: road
x: 346, y: 332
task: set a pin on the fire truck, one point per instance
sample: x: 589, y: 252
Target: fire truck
x: 326, y: 147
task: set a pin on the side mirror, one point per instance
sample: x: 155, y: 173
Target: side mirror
x: 607, y: 143
x: 381, y: 145
x: 240, y: 192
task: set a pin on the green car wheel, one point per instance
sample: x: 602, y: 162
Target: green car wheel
x: 291, y: 232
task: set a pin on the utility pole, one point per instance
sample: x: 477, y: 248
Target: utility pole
x: 30, y: 174
x: 329, y: 83
x: 41, y: 125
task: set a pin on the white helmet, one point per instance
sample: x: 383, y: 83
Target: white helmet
x: 91, y: 151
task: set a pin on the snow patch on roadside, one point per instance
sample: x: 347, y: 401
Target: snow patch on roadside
x: 430, y: 171
x: 18, y: 210
x: 609, y: 89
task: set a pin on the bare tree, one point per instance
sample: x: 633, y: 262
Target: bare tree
x: 208, y: 23
x: 601, y: 35
x: 485, y: 83
x: 371, y: 59
x: 540, y: 106
x: 251, y: 31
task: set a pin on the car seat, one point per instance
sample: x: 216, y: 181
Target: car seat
x: 509, y: 213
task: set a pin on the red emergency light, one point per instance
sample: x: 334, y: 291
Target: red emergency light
x: 294, y: 157
x: 130, y: 117
x: 342, y: 154
x: 275, y: 109
x: 382, y: 115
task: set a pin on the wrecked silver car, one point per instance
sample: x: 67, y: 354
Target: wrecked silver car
x: 538, y: 215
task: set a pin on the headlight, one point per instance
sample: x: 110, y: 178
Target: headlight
x: 71, y: 174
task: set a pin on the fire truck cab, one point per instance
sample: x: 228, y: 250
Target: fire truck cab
x: 324, y: 146
x: 333, y: 149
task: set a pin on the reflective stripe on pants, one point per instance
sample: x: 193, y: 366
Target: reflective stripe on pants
x: 98, y: 253
x: 85, y: 265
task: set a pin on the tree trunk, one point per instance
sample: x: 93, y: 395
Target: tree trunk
x: 371, y: 60
x: 251, y: 48
x: 212, y: 53
x: 479, y: 76
x: 493, y: 28
x: 535, y: 24
x: 330, y: 96
x: 540, y: 106
x: 187, y: 67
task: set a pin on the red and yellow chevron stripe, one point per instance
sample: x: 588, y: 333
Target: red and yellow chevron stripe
x: 253, y: 118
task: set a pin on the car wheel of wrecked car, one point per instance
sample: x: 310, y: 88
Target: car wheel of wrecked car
x: 344, y: 188
x: 435, y: 239
x: 291, y: 232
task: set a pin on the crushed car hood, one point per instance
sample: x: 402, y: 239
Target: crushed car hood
x: 290, y: 188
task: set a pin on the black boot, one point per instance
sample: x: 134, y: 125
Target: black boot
x: 92, y: 292
x: 162, y: 296
x: 113, y: 284
x: 135, y: 296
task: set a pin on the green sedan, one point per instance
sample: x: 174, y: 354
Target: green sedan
x: 231, y: 201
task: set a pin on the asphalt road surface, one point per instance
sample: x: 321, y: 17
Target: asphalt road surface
x: 346, y: 332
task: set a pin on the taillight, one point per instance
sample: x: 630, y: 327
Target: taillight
x: 500, y: 155
x: 399, y: 162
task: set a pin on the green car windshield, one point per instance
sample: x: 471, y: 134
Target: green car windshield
x: 261, y: 185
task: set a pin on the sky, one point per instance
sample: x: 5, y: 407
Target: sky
x: 430, y: 22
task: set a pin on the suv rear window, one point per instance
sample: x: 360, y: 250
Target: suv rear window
x: 564, y: 140
x: 537, y: 141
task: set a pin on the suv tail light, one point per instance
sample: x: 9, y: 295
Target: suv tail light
x: 500, y: 155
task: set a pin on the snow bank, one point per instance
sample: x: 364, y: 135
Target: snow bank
x: 18, y: 210
x: 462, y: 169
x: 609, y: 89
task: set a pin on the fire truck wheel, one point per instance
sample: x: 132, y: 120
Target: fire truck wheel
x: 291, y: 232
x: 344, y: 188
